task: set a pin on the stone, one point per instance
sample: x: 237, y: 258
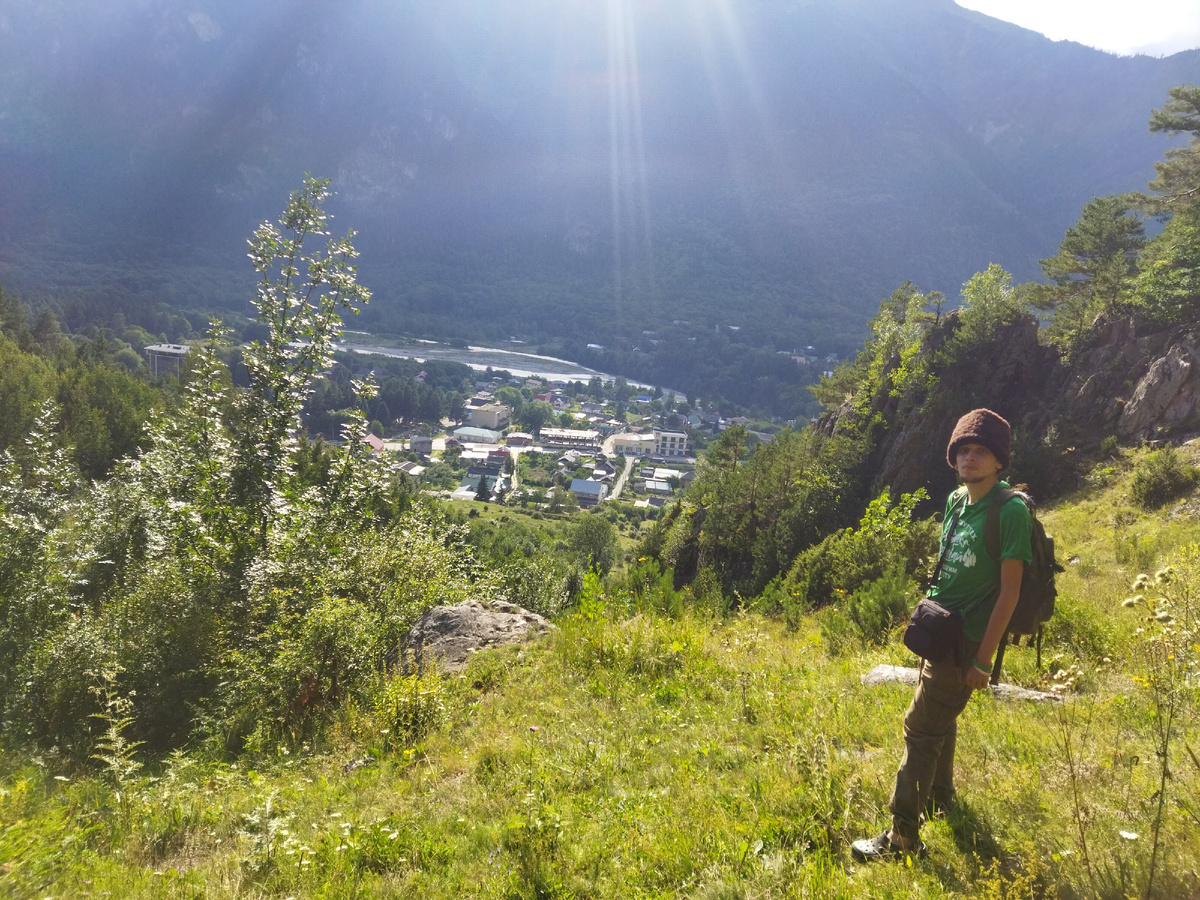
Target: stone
x: 1137, y: 387
x: 447, y: 636
x: 1168, y: 394
x: 882, y: 674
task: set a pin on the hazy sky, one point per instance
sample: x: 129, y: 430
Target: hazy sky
x: 1156, y: 27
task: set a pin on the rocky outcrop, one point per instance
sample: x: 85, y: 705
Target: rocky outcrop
x: 1008, y: 375
x: 1135, y: 387
x: 1124, y: 384
x: 1168, y: 395
x: 446, y: 636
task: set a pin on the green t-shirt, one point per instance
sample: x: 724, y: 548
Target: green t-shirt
x: 969, y: 575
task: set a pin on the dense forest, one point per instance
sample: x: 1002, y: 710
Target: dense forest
x: 183, y: 570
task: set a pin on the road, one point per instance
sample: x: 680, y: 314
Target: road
x: 621, y: 479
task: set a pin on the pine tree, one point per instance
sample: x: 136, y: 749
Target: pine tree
x: 1095, y: 265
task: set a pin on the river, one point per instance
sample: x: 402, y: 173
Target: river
x: 524, y: 365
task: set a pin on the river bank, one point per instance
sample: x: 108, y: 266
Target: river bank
x: 517, y: 363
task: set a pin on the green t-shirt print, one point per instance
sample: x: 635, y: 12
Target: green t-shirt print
x: 969, y: 576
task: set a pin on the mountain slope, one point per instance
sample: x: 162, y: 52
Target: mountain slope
x: 564, y: 171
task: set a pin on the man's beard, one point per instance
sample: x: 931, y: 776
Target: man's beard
x: 972, y: 479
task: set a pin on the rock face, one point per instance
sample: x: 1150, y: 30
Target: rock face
x: 1133, y: 386
x: 446, y: 636
x: 1128, y: 385
x: 908, y: 451
x: 1018, y: 367
x: 1168, y: 395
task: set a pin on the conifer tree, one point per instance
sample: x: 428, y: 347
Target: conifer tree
x: 1094, y: 266
x: 1177, y: 185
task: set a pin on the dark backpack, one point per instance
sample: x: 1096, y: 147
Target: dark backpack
x: 1035, y: 605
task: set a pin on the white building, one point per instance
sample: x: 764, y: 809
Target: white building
x: 635, y: 445
x: 164, y: 358
x: 492, y: 416
x: 670, y: 443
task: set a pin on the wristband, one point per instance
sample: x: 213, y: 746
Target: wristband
x: 980, y: 669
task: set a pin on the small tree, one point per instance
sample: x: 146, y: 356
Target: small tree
x: 299, y: 299
x: 989, y: 300
x: 535, y: 414
x: 594, y: 540
x: 1095, y: 264
x: 1177, y: 185
x: 482, y: 492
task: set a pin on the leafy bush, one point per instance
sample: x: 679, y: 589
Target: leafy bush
x: 649, y: 586
x: 1044, y: 461
x: 229, y: 578
x: 594, y: 543
x: 885, y: 541
x: 59, y: 702
x: 880, y: 605
x: 539, y: 585
x: 869, y: 613
x: 1163, y: 475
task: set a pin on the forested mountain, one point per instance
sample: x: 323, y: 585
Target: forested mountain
x: 565, y: 172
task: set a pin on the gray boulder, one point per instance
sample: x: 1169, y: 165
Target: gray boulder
x: 446, y: 636
x: 904, y: 675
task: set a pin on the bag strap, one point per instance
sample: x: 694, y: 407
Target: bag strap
x: 955, y: 510
x: 991, y: 538
x: 991, y: 526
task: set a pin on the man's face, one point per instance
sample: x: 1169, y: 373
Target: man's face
x: 975, y: 463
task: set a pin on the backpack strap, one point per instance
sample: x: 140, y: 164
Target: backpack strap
x: 991, y: 525
x: 991, y: 538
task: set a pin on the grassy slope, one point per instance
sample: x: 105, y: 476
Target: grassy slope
x: 635, y: 755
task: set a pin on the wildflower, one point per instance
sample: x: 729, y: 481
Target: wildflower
x: 1129, y: 835
x: 1130, y: 602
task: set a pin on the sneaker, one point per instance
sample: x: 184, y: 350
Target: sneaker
x: 881, y: 847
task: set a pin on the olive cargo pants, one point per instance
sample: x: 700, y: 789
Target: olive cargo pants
x: 930, y: 734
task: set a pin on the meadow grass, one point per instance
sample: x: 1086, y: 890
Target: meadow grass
x: 641, y: 755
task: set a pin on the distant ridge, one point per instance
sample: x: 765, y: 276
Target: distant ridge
x: 557, y: 172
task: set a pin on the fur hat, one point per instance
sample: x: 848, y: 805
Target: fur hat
x: 982, y: 426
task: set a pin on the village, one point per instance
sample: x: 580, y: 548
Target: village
x: 542, y: 444
x: 557, y: 446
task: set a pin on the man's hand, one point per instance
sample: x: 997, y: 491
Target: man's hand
x: 975, y: 679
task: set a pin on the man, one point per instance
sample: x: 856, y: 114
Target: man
x: 979, y: 450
